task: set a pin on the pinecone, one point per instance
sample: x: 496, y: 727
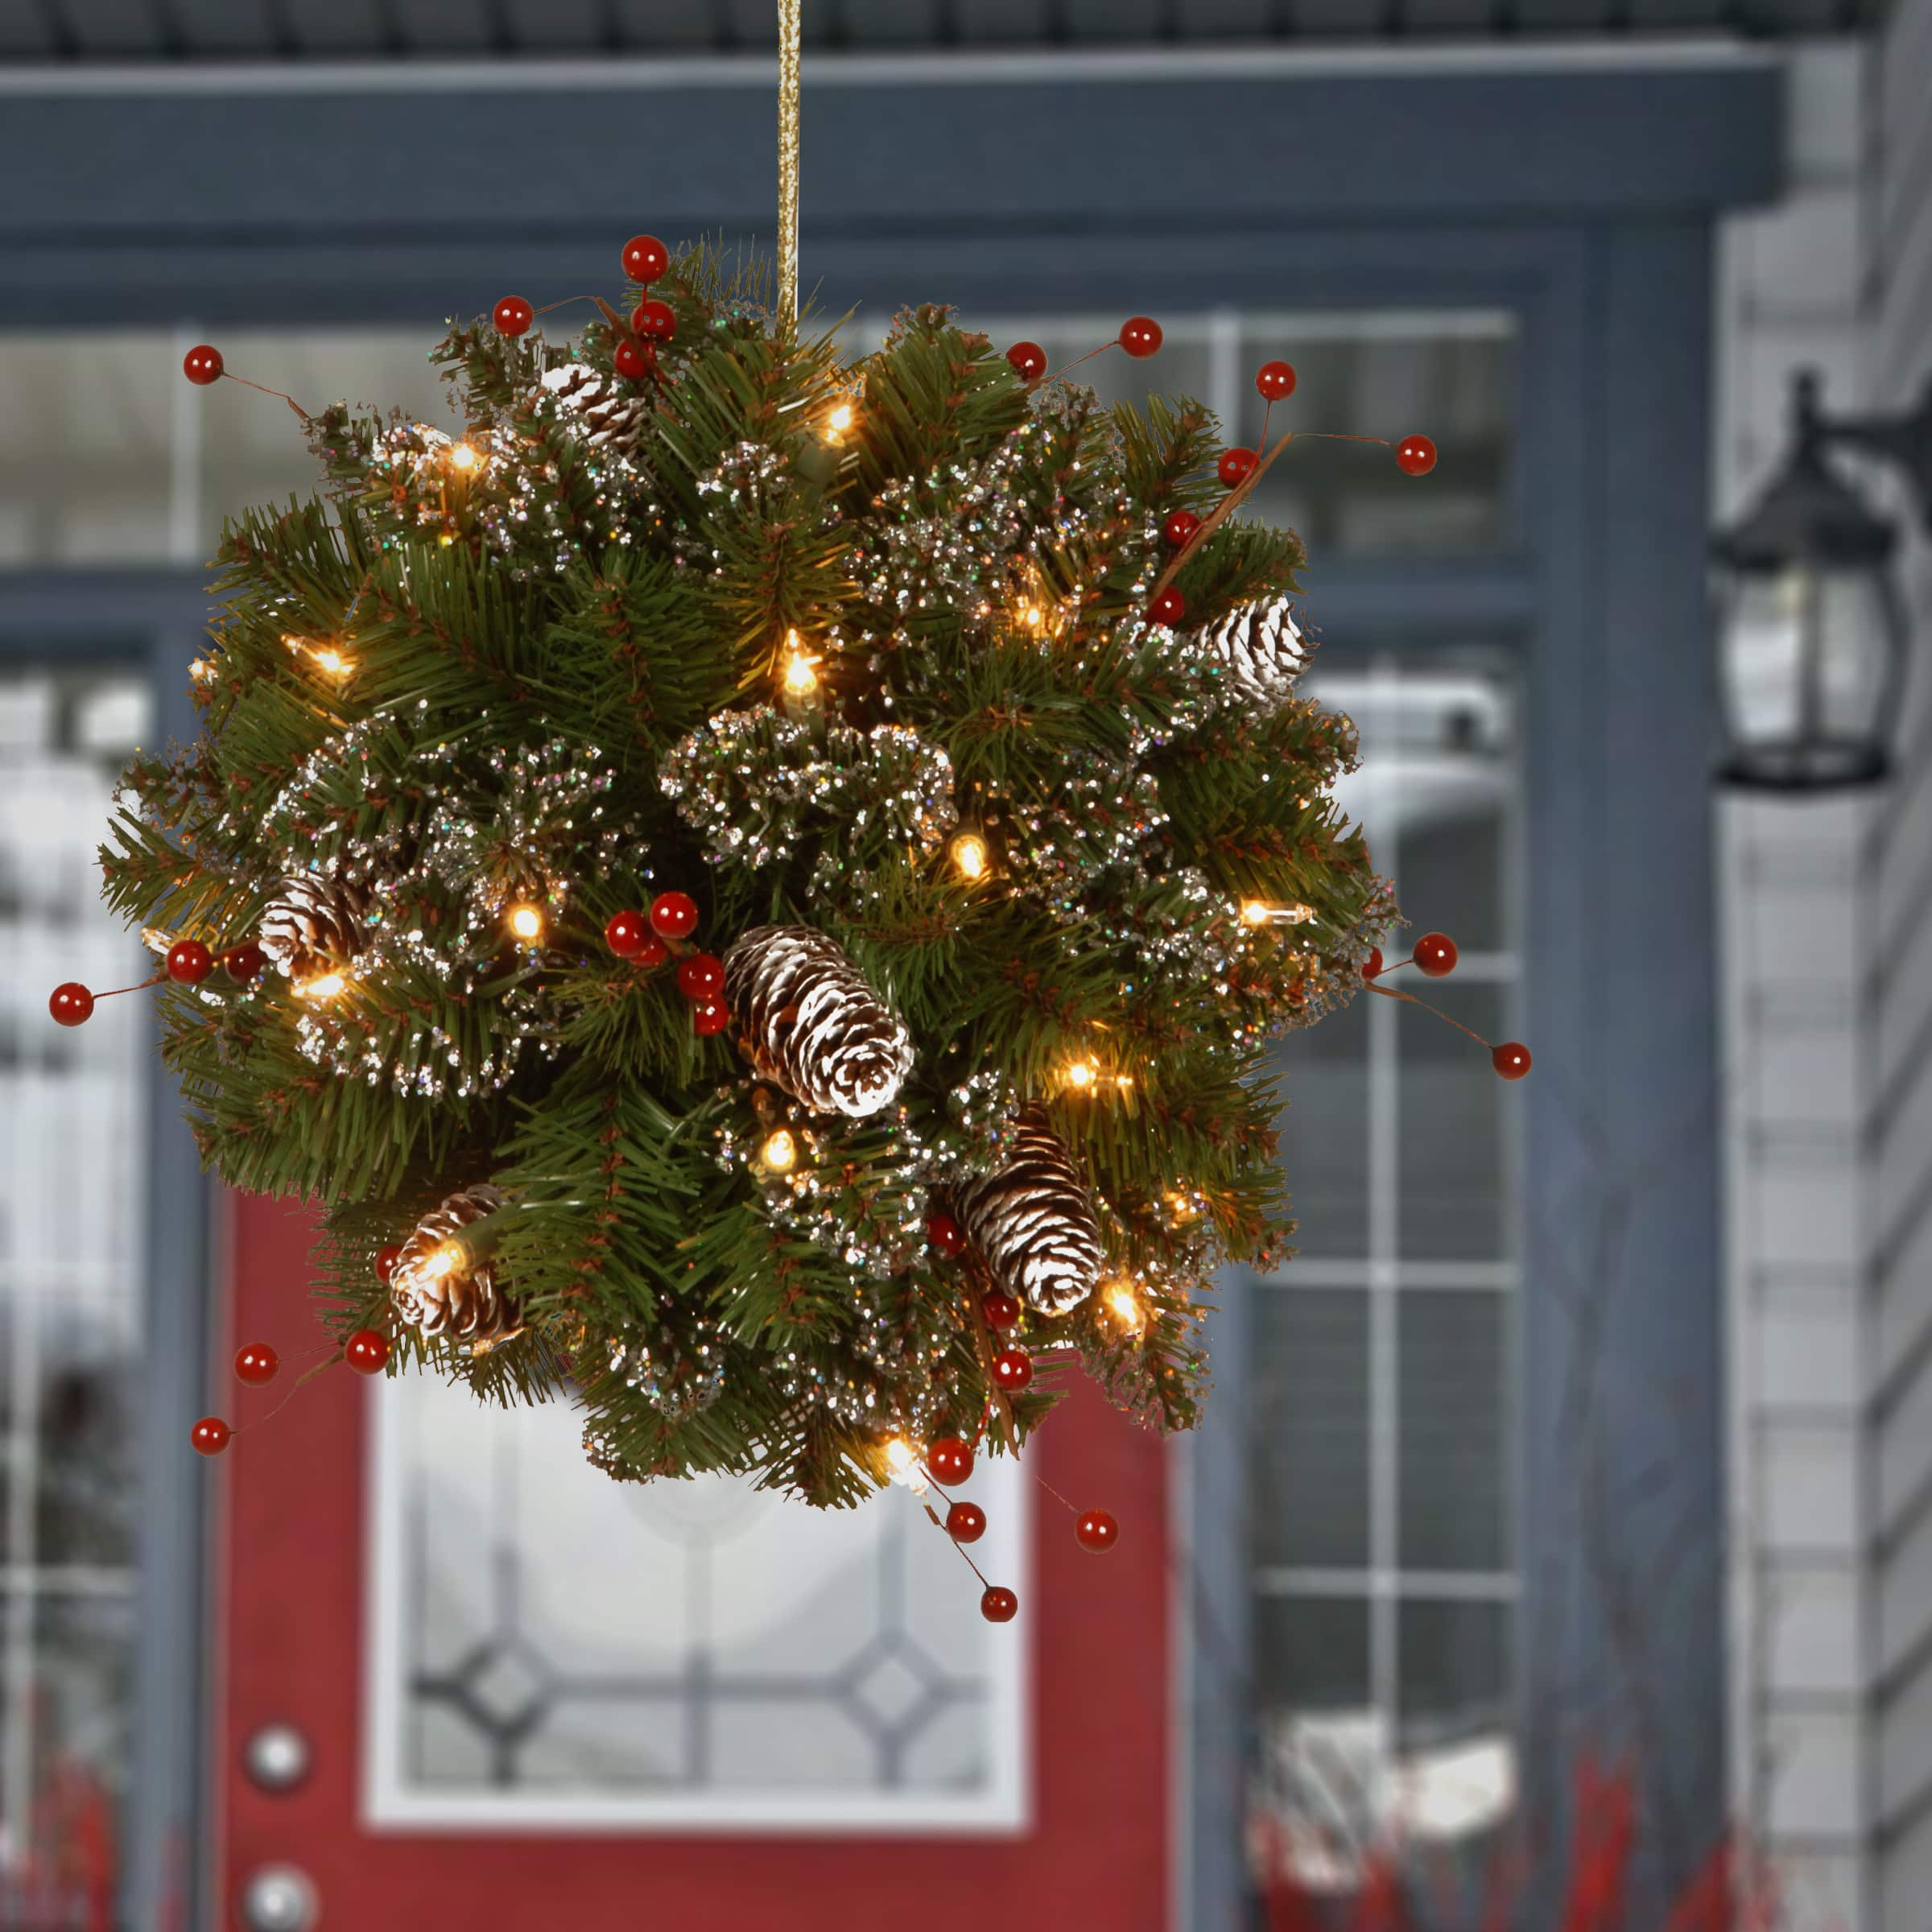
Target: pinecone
x: 1032, y: 1222
x: 813, y: 1025
x: 1261, y: 652
x: 612, y: 417
x: 466, y: 1301
x: 314, y: 921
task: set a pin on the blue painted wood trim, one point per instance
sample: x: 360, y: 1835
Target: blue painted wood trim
x: 323, y: 205
x: 154, y: 623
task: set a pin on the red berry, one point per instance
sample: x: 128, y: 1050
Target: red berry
x: 1275, y: 380
x: 257, y: 1364
x: 708, y: 1016
x: 630, y: 359
x: 646, y: 257
x: 385, y: 1263
x: 1013, y: 1370
x: 965, y: 1522
x: 950, y: 1460
x: 943, y: 1235
x: 1097, y: 1531
x: 1415, y: 456
x: 654, y: 321
x: 1141, y: 335
x: 674, y: 916
x: 1001, y: 1310
x: 626, y: 933
x: 512, y: 315
x: 1235, y: 466
x: 242, y: 963
x: 1169, y: 607
x: 71, y: 1003
x: 700, y: 976
x: 189, y: 962
x: 999, y: 1605
x: 211, y: 1435
x: 1435, y: 955
x: 1029, y: 359
x: 366, y: 1351
x: 1178, y: 532
x: 1511, y: 1059
x: 202, y: 364
x: 1372, y: 967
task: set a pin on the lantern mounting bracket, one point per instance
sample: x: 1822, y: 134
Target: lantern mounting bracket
x: 1904, y: 439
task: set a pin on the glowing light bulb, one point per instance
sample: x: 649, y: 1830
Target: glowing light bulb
x: 800, y: 678
x: 1082, y: 1074
x: 440, y: 1261
x: 1258, y: 912
x: 526, y: 921
x: 780, y: 1152
x: 1124, y: 1081
x: 201, y: 671
x: 1255, y: 913
x: 839, y: 421
x: 899, y: 1455
x: 323, y: 986
x: 1125, y: 1306
x: 331, y: 660
x: 969, y: 855
x: 1030, y: 617
x: 462, y: 457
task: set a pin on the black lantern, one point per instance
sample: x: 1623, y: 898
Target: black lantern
x: 1812, y: 639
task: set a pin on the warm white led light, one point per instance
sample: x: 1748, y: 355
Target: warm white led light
x: 1082, y: 1074
x: 780, y: 1152
x: 969, y: 855
x: 527, y: 922
x: 324, y: 986
x: 1125, y: 1306
x: 462, y: 457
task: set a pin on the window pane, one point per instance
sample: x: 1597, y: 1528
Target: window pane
x: 1324, y: 1077
x: 1450, y: 1127
x: 1312, y: 1654
x: 1309, y: 1371
x: 1454, y: 1668
x: 1454, y: 1424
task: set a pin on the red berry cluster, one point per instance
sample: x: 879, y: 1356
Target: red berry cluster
x: 647, y: 942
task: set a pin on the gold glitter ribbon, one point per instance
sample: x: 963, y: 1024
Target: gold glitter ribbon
x: 789, y: 11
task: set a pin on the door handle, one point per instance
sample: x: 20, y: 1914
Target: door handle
x: 280, y: 1898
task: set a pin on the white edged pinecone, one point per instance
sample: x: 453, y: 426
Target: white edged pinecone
x: 1032, y: 1222
x: 314, y: 921
x: 813, y: 1024
x: 1261, y: 652
x: 465, y: 1300
x: 612, y: 417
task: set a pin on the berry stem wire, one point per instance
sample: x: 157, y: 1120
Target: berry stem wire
x: 228, y: 375
x: 294, y: 1389
x: 971, y: 1565
x: 1391, y: 992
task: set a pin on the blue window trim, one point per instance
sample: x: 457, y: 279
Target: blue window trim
x: 1576, y: 193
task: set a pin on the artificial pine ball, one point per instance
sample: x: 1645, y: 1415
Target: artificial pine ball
x: 630, y: 359
x: 1372, y: 967
x: 1013, y: 1370
x: 1511, y: 1059
x: 512, y: 315
x: 645, y: 257
x: 257, y: 1364
x: 1141, y: 335
x: 1235, y: 466
x: 1169, y: 607
x: 367, y: 1351
x: 1097, y: 1531
x: 700, y: 976
x: 202, y: 364
x: 1178, y: 532
x: 998, y: 1604
x: 1029, y: 359
x: 950, y: 1460
x: 708, y: 1016
x: 1415, y: 456
x: 1275, y: 381
x: 1001, y: 1310
x: 189, y: 962
x: 654, y: 321
x: 242, y: 963
x: 674, y: 916
x: 211, y: 1435
x: 965, y: 1522
x: 944, y: 1235
x: 70, y: 1003
x: 1435, y: 955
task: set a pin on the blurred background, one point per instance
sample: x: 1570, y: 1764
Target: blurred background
x: 1559, y: 1552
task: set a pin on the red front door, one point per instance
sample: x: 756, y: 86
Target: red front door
x: 691, y: 1752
